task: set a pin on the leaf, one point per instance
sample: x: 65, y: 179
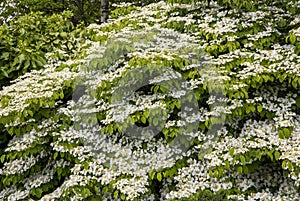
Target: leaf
x: 298, y: 101
x: 277, y: 155
x: 2, y: 158
x: 247, y: 109
x: 246, y: 170
x: 40, y: 61
x: 21, y: 58
x: 96, y: 189
x: 30, y: 113
x: 63, y: 34
x: 59, y: 171
x: 281, y: 134
x: 159, y: 176
x: 105, y: 189
x: 16, y: 61
x: 259, y: 108
x: 152, y: 174
x: 18, y: 131
x: 5, y: 55
x: 290, y: 166
x: 243, y: 160
x: 38, y: 192
x: 33, y: 64
x: 295, y: 83
x: 116, y: 194
x: 55, y: 155
x: 56, y: 41
x: 240, y: 169
x: 4, y: 72
x: 270, y: 154
x: 27, y: 64
x: 283, y: 165
x: 293, y: 39
x: 22, y: 31
x: 286, y: 132
x: 69, y: 45
x: 143, y: 119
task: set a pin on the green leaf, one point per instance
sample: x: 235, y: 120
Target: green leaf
x: 270, y: 154
x: 55, y: 155
x: 295, y: 83
x: 63, y: 34
x: 277, y: 155
x: 27, y: 64
x: 159, y: 176
x: 21, y: 58
x: 281, y: 134
x: 62, y: 154
x: 290, y: 166
x: 143, y: 119
x: 216, y: 173
x: 240, y: 169
x: 16, y: 61
x: 293, y: 39
x: 152, y: 174
x: 4, y: 72
x: 2, y: 158
x: 38, y: 192
x: 30, y: 113
x: 247, y: 109
x: 96, y: 189
x: 298, y: 101
x: 39, y: 63
x: 243, y: 160
x: 61, y: 95
x: 259, y: 108
x: 283, y: 165
x: 245, y: 169
x: 5, y: 55
x: 105, y: 189
x: 286, y: 133
x: 56, y: 41
x: 116, y: 194
x: 59, y: 171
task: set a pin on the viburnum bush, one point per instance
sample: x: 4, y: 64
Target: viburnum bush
x: 163, y: 102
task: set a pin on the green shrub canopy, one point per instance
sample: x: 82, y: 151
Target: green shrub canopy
x: 163, y: 102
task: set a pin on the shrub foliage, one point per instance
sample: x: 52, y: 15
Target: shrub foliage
x: 68, y: 126
x: 25, y: 42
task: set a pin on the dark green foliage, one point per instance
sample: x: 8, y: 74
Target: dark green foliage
x: 87, y: 11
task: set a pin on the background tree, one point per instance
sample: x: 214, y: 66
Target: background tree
x: 104, y: 10
x: 87, y: 11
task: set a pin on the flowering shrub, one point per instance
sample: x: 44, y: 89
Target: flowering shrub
x: 218, y: 86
